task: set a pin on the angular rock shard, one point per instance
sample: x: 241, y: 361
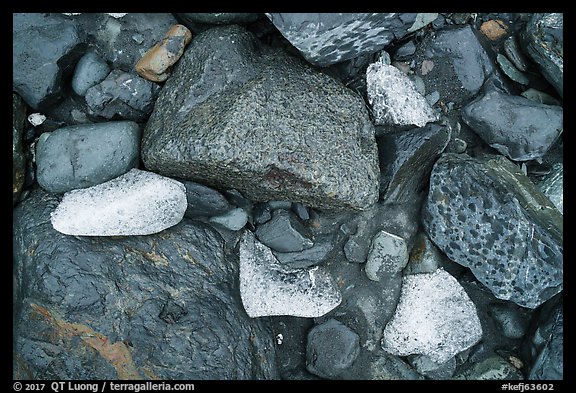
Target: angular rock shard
x: 435, y: 317
x: 388, y: 255
x: 269, y: 288
x: 136, y: 203
x: 483, y: 213
x: 236, y: 114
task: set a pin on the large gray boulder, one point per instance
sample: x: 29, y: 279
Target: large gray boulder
x: 235, y: 114
x: 328, y: 38
x: 162, y: 306
x: 483, y: 213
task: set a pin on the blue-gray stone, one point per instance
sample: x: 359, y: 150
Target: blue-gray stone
x: 204, y: 201
x: 90, y: 70
x: 122, y: 95
x: 301, y: 211
x: 328, y: 38
x: 510, y: 70
x: 323, y: 245
x: 406, y: 50
x: 515, y: 126
x: 18, y: 156
x: 543, y: 41
x: 233, y: 220
x: 485, y: 214
x: 45, y: 48
x: 85, y: 155
x: 514, y: 53
x: 546, y: 344
x: 284, y: 233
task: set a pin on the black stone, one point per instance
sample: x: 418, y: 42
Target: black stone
x: 18, y: 156
x: 204, y: 201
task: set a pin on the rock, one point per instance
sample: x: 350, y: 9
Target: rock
x: 136, y: 203
x: 424, y: 256
x: 512, y: 320
x: 291, y: 336
x: 394, y: 98
x: 273, y: 128
x: 546, y: 344
x: 515, y: 126
x: 268, y: 288
x: 284, y: 233
x: 122, y: 95
x: 234, y: 219
x: 553, y: 186
x: 18, y: 156
x: 219, y: 18
x: 332, y: 348
x: 494, y: 368
x: 85, y: 155
x: 514, y: 53
x: 406, y: 159
x: 425, y: 366
x: 324, y: 38
x: 123, y: 41
x: 543, y: 41
x: 461, y: 64
x: 388, y: 255
x: 90, y: 71
x: 540, y: 97
x: 204, y: 201
x: 262, y: 213
x: 405, y: 51
x: 508, y: 233
x: 387, y: 367
x: 45, y: 49
x: 323, y: 246
x: 494, y: 29
x: 435, y: 317
x: 157, y: 63
x: 510, y: 70
x: 275, y: 205
x: 162, y: 306
x: 301, y: 211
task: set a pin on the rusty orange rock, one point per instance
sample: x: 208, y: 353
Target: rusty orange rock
x: 494, y: 29
x: 156, y: 64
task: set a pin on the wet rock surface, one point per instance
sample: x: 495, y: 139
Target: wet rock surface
x: 281, y: 202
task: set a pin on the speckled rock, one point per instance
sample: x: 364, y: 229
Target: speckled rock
x: 406, y: 159
x: 483, y: 213
x: 273, y: 128
x: 18, y: 157
x: 85, y: 155
x: 388, y: 255
x: 553, y: 186
x: 328, y: 38
x: 162, y: 306
x: 90, y: 70
x: 543, y: 40
x: 45, y: 48
x: 157, y: 63
x: 515, y: 126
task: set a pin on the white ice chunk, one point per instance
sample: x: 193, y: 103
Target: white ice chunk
x: 394, y: 98
x: 136, y: 203
x: 269, y: 288
x: 388, y: 255
x: 434, y: 317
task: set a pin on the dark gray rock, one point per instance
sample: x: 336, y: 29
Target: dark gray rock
x: 494, y: 368
x: 325, y: 38
x: 546, y: 344
x: 543, y: 41
x: 234, y: 219
x: 284, y: 233
x: 514, y: 53
x: 424, y: 256
x: 406, y: 50
x: 406, y: 159
x: 219, y: 18
x: 45, y: 49
x: 290, y: 335
x: 122, y: 95
x: 72, y: 110
x: 432, y: 370
x: 301, y: 211
x: 18, y: 156
x: 315, y: 255
x: 90, y: 70
x: 553, y: 186
x: 511, y: 71
x: 515, y: 126
x: 332, y: 348
x: 460, y: 63
x: 512, y: 320
x: 162, y: 306
x: 85, y: 155
x: 123, y: 41
x: 261, y: 213
x: 483, y: 213
x: 204, y: 201
x: 238, y: 115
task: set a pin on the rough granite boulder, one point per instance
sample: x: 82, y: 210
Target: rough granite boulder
x: 483, y: 213
x: 328, y: 38
x: 235, y: 114
x: 163, y: 306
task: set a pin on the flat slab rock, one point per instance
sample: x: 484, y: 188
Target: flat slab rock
x: 268, y: 288
x: 484, y: 214
x: 136, y: 203
x: 273, y: 128
x: 434, y: 317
